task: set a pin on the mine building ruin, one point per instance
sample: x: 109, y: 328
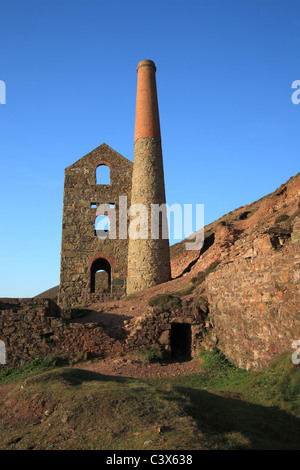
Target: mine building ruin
x: 94, y: 268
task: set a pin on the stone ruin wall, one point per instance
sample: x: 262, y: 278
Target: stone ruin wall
x: 254, y: 300
x: 153, y: 329
x: 36, y: 329
x: 33, y: 329
x: 252, y: 313
x: 80, y: 245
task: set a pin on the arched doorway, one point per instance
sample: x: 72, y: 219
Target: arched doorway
x: 100, y: 276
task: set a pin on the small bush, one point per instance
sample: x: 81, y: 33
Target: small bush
x: 287, y: 378
x: 281, y: 218
x: 149, y: 355
x: 244, y: 215
x: 129, y: 297
x: 184, y: 291
x: 196, y: 280
x: 165, y: 302
x: 202, y: 303
x: 215, y: 361
x: 203, y: 274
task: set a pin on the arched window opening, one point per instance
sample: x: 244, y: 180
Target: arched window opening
x: 103, y: 174
x: 100, y: 276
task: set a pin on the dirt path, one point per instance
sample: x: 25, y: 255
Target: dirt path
x: 132, y: 366
x: 113, y: 314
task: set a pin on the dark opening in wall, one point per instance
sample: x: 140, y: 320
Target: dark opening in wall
x: 100, y: 276
x: 181, y: 341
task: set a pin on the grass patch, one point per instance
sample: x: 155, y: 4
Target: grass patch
x: 221, y: 408
x: 201, y: 302
x: 196, y: 280
x: 288, y: 219
x: 129, y: 297
x: 148, y: 354
x: 34, y: 367
x: 185, y: 290
x: 165, y: 302
x: 37, y: 366
x: 281, y: 218
x: 258, y: 407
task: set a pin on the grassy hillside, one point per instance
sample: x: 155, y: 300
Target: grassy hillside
x: 43, y: 406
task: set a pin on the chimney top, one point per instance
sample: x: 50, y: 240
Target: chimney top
x: 146, y: 116
x: 146, y: 63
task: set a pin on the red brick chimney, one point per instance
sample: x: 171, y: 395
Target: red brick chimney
x: 147, y: 116
x: 148, y: 259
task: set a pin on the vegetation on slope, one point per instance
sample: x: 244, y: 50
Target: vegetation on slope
x: 222, y: 407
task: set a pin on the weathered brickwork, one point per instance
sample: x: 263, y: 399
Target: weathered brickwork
x: 154, y: 329
x: 35, y: 329
x: 148, y: 259
x: 83, y: 253
x: 255, y: 300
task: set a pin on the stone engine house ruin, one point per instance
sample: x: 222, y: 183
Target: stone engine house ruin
x: 93, y: 268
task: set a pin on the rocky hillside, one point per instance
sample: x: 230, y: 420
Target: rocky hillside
x: 240, y: 292
x: 278, y: 209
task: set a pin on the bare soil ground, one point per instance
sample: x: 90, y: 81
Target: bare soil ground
x: 132, y: 366
x: 113, y: 314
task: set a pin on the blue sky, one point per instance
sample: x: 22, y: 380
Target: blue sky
x: 230, y: 132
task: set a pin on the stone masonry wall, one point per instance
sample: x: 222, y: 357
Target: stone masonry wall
x: 80, y: 245
x: 153, y: 328
x: 255, y: 300
x: 35, y: 329
x: 148, y: 259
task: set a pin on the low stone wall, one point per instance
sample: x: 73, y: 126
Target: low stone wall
x: 35, y: 328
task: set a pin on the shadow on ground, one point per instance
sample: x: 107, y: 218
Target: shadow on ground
x: 219, y: 413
